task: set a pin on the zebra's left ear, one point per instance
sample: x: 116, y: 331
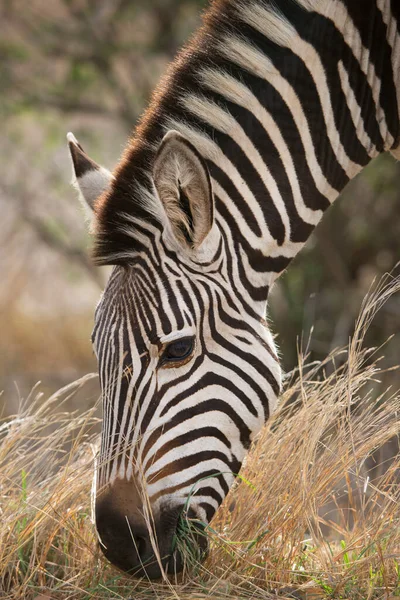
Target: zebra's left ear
x: 90, y: 179
x: 183, y: 185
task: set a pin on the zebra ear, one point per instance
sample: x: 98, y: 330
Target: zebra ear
x: 90, y: 179
x: 183, y: 185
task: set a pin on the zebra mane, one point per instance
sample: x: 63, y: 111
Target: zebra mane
x: 129, y: 214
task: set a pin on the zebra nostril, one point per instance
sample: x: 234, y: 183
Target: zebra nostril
x: 142, y: 545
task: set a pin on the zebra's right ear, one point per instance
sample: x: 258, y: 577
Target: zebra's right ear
x: 90, y: 179
x: 183, y: 184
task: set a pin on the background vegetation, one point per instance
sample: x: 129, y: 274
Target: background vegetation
x: 89, y: 66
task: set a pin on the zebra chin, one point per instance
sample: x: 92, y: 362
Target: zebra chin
x: 141, y: 549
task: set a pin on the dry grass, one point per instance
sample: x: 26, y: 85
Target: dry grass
x: 267, y: 539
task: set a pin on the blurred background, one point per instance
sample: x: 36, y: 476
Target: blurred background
x: 89, y: 67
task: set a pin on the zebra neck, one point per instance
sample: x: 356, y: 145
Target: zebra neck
x: 296, y: 104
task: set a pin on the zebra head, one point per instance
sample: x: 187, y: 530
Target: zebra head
x: 187, y: 365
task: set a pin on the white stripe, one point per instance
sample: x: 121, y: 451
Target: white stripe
x: 280, y: 30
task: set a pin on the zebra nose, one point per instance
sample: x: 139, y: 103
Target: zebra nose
x: 127, y: 542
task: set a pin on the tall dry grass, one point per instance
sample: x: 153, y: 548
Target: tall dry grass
x: 270, y: 536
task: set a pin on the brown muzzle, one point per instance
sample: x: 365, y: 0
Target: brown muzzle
x: 140, y: 546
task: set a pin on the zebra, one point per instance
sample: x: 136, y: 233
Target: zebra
x: 258, y: 125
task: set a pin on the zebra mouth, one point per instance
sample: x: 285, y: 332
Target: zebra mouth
x: 189, y: 544
x: 186, y: 542
x: 187, y: 547
x: 181, y: 543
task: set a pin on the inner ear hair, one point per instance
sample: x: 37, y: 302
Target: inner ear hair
x: 183, y: 184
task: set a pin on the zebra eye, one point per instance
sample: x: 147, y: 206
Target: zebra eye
x: 177, y: 351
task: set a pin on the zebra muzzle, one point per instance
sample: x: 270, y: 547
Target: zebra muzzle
x: 146, y: 545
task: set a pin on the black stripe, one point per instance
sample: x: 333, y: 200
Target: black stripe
x: 235, y: 196
x: 211, y: 473
x: 209, y: 405
x: 190, y: 461
x: 297, y: 74
x: 272, y: 101
x: 185, y: 438
x: 369, y: 21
